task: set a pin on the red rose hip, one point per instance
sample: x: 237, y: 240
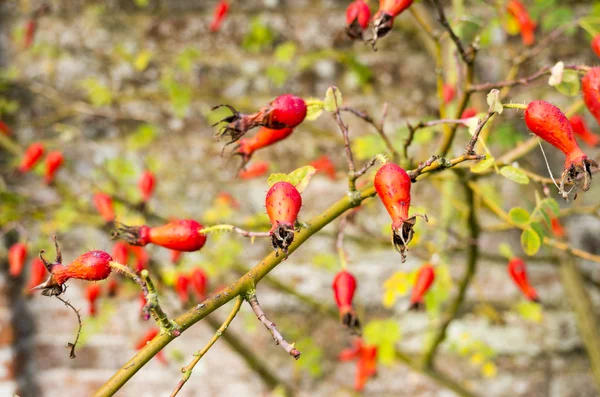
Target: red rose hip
x: 283, y: 204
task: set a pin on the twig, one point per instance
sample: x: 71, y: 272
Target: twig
x: 368, y: 165
x: 127, y: 271
x: 440, y: 163
x: 270, y: 325
x: 235, y: 229
x: 152, y: 306
x: 187, y: 370
x: 378, y: 126
x: 467, y: 57
x: 585, y: 316
x: 473, y: 253
x: 522, y: 81
x: 74, y: 344
x: 480, y: 124
x: 344, y: 128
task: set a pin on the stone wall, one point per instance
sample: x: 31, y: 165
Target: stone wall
x: 533, y: 359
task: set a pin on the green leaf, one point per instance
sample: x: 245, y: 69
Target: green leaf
x: 312, y: 357
x: 514, y: 174
x: 98, y: 93
x: 519, y: 216
x: 557, y: 16
x: 366, y: 146
x: 384, y: 334
x: 506, y: 251
x: 120, y: 168
x: 299, y: 177
x: 539, y: 229
x: 142, y: 60
x: 326, y: 260
x: 186, y: 59
x: 141, y: 3
x: 314, y: 108
x: 483, y: 165
x: 285, y: 52
x: 569, y: 85
x: 493, y: 100
x: 258, y: 37
x: 551, y: 206
x: 330, y: 102
x: 142, y: 137
x: 180, y: 95
x: 530, y: 311
x: 277, y: 74
x: 530, y: 241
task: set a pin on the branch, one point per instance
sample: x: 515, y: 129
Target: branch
x: 187, y: 370
x: 438, y: 377
x: 344, y: 128
x: 270, y: 325
x: 72, y: 345
x: 245, y: 283
x: 251, y: 359
x: 480, y: 124
x: 585, y: 315
x: 467, y: 57
x: 473, y: 253
x: 378, y: 126
x: 522, y: 81
x: 127, y: 271
x: 231, y: 228
x: 153, y: 307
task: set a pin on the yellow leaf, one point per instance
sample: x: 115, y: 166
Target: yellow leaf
x: 489, y: 370
x: 142, y: 60
x: 476, y: 359
x: 389, y: 298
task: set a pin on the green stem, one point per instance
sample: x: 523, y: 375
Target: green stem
x: 473, y: 253
x: 153, y: 306
x: 585, y: 315
x: 187, y: 370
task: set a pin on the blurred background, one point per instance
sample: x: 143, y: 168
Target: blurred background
x: 124, y: 86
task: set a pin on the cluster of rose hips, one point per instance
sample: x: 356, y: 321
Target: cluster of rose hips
x: 34, y: 153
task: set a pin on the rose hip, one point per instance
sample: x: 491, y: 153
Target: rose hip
x: 180, y: 235
x: 283, y: 204
x: 285, y: 111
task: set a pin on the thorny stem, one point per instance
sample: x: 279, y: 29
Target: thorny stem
x: 231, y: 228
x: 368, y: 165
x: 464, y: 100
x: 246, y: 282
x: 270, y: 325
x: 187, y: 370
x: 439, y: 72
x: 468, y: 57
x: 480, y: 124
x: 127, y: 271
x: 378, y: 126
x: 344, y: 128
x: 472, y: 256
x: 74, y: 343
x: 153, y: 307
x: 485, y: 87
